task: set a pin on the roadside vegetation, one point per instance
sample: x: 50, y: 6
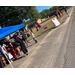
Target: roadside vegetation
x: 47, y: 22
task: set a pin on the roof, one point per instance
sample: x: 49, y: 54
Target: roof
x: 8, y: 30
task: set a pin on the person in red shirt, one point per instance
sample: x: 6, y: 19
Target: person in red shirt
x: 10, y: 48
x: 62, y: 12
x: 39, y: 25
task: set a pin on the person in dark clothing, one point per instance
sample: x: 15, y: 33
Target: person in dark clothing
x: 56, y: 14
x: 66, y: 11
x: 20, y: 40
x: 15, y: 45
x: 59, y: 14
x: 28, y: 34
x: 24, y: 37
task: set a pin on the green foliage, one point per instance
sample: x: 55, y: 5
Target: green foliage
x: 55, y: 8
x: 9, y: 15
x: 44, y: 13
x: 13, y: 15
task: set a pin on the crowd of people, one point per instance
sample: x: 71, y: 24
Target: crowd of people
x: 59, y: 13
x: 13, y: 47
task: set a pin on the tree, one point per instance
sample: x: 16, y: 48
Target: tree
x: 12, y: 15
x: 33, y: 13
x: 9, y: 16
x: 44, y: 13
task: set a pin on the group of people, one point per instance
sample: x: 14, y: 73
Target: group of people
x: 58, y: 13
x: 12, y: 47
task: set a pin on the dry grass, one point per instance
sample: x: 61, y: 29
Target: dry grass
x: 50, y: 25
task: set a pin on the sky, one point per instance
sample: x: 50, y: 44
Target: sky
x: 40, y: 8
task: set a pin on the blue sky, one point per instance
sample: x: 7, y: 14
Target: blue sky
x: 40, y: 8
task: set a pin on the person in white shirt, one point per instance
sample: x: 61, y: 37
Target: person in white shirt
x: 33, y: 36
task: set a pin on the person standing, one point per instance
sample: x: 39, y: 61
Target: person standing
x: 66, y: 11
x: 39, y: 25
x: 5, y: 52
x: 56, y: 14
x: 15, y: 45
x: 59, y: 14
x: 11, y: 48
x: 20, y: 40
x: 34, y: 37
x: 24, y: 37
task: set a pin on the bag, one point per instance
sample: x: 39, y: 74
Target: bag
x: 10, y: 56
x: 28, y: 35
